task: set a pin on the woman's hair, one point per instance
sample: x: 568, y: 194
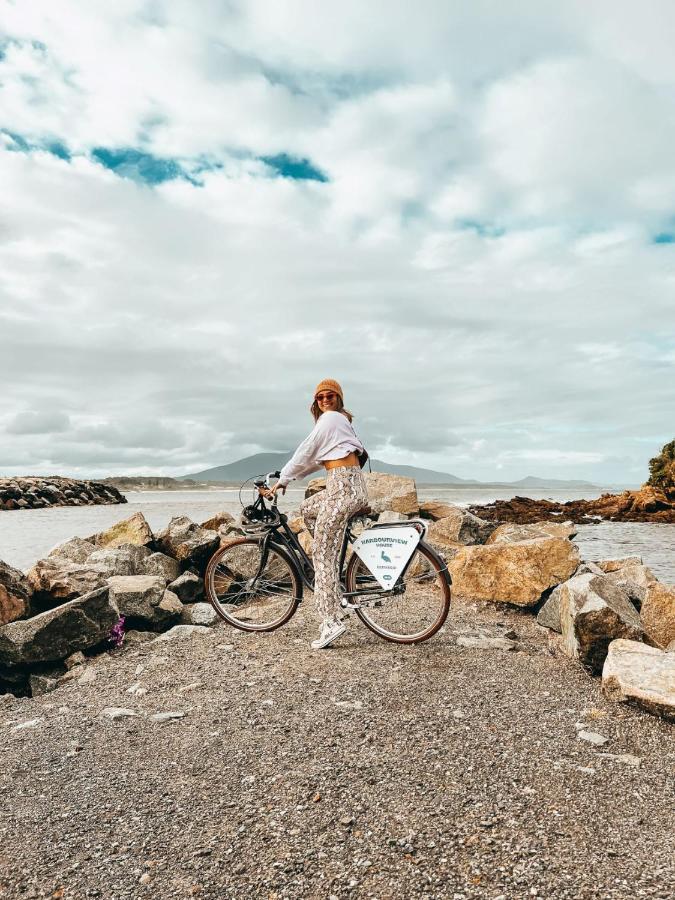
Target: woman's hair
x: 316, y: 412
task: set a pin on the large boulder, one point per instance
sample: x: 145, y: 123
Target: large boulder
x: 55, y: 634
x: 459, y: 527
x: 613, y: 565
x: 56, y: 580
x: 188, y: 543
x: 658, y: 614
x: 126, y: 559
x: 145, y: 600
x: 189, y: 588
x: 640, y: 674
x: 435, y: 509
x: 15, y: 594
x: 549, y: 614
x: 634, y: 579
x: 517, y: 573
x: 512, y: 532
x: 134, y: 530
x: 215, y: 523
x: 392, y: 492
x: 593, y: 613
x: 161, y: 564
x: 75, y: 550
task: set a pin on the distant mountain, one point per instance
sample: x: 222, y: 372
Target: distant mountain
x: 261, y: 463
x: 534, y: 482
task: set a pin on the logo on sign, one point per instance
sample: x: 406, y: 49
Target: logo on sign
x: 386, y: 551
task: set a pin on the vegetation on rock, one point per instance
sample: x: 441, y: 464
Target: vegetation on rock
x: 662, y: 470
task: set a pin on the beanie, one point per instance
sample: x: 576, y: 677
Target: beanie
x: 328, y: 384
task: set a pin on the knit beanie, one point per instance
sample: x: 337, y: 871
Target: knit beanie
x: 329, y: 385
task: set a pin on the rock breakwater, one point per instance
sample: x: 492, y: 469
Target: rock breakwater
x: 649, y: 504
x: 37, y: 492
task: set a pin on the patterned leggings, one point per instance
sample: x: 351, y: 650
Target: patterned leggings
x: 326, y: 515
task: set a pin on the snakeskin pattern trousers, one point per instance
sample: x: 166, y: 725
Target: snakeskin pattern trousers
x: 326, y: 515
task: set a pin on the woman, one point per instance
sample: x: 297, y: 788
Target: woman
x: 332, y: 443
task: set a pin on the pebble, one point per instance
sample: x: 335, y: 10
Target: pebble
x: 592, y: 737
x: 23, y: 726
x: 626, y: 758
x: 167, y: 716
x: 349, y: 704
x: 483, y: 642
x: 118, y: 712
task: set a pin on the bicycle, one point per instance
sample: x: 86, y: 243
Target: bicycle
x: 255, y: 583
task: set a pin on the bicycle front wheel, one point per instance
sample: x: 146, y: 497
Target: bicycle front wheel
x: 248, y: 596
x: 417, y: 606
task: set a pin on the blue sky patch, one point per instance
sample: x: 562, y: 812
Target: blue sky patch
x: 137, y: 165
x: 293, y: 167
x: 22, y: 145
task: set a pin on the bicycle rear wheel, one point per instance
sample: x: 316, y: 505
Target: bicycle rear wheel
x: 417, y: 606
x: 245, y: 596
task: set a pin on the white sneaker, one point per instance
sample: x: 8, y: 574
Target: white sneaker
x: 331, y: 630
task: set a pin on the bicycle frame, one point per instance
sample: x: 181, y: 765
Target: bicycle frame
x: 282, y: 535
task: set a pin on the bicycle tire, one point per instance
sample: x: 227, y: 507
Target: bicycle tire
x: 242, y: 563
x: 423, y: 562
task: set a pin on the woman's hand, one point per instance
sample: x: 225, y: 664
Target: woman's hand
x: 270, y: 492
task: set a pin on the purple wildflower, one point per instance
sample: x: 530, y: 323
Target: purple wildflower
x: 117, y: 632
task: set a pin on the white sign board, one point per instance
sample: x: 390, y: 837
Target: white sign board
x: 386, y: 551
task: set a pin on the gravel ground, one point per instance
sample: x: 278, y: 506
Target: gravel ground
x: 368, y: 770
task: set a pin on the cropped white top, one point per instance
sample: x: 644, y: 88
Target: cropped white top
x: 332, y: 437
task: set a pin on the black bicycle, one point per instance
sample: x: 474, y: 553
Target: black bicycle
x: 256, y: 582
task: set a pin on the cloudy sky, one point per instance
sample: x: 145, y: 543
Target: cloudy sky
x: 464, y: 212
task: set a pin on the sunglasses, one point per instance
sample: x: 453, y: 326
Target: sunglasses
x: 321, y: 397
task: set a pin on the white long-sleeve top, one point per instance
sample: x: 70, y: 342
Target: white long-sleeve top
x: 332, y: 437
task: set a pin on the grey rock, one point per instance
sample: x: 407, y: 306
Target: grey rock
x: 181, y: 632
x: 133, y: 636
x: 640, y: 674
x: 592, y: 737
x: 589, y: 568
x: 549, y: 614
x: 167, y: 716
x: 76, y: 550
x: 161, y: 564
x: 119, y: 712
x: 188, y: 587
x: 191, y: 545
x: 55, y: 634
x: 593, y: 613
x: 57, y: 580
x: 127, y: 559
x: 634, y: 580
x: 484, y: 642
x: 42, y: 684
x: 198, y: 614
x: 460, y: 527
x: 144, y: 600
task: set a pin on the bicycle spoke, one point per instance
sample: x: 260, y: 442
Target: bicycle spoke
x: 414, y: 610
x: 246, y: 596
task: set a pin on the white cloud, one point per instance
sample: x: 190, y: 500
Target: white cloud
x: 478, y: 269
